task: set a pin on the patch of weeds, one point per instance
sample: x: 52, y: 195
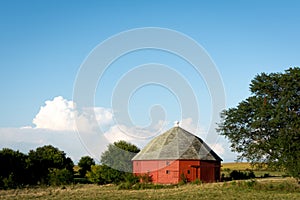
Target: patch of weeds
x: 181, y: 182
x: 183, y: 178
x: 125, y: 186
x: 250, y: 184
x: 197, y: 182
x: 233, y: 183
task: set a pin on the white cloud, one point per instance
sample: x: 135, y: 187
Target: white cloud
x: 60, y: 114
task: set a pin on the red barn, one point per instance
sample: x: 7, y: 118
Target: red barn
x: 177, y: 154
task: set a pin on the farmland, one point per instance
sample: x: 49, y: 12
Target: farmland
x: 244, y: 166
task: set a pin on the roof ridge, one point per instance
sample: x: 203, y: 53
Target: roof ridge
x: 164, y: 143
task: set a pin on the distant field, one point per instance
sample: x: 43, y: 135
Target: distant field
x: 243, y: 166
x: 278, y: 189
x: 236, y: 166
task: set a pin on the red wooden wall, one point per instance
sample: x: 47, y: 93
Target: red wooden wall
x: 169, y: 171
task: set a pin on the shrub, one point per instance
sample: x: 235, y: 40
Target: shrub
x: 146, y: 178
x: 239, y: 175
x: 94, y: 175
x: 8, y: 183
x: 131, y: 178
x: 183, y: 178
x: 60, y: 177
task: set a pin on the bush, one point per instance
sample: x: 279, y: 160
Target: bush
x: 239, y: 175
x: 94, y: 176
x: 131, y: 178
x: 60, y: 177
x: 183, y: 179
x: 146, y: 178
x: 8, y: 183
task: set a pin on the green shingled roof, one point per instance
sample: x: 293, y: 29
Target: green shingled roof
x: 175, y: 144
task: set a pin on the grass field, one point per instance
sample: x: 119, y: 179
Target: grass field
x: 269, y: 188
x: 244, y: 166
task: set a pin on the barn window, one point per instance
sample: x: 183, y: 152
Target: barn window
x: 167, y: 163
x: 188, y: 171
x: 167, y: 172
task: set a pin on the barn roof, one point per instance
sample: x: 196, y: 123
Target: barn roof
x: 175, y: 144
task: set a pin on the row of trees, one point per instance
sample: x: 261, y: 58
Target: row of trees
x: 45, y: 165
x: 48, y: 165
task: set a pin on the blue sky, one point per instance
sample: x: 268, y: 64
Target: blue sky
x: 43, y: 44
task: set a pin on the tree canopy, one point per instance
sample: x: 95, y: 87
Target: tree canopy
x: 265, y: 127
x: 118, y: 156
x: 85, y: 164
x: 45, y: 165
x: 44, y: 160
x: 13, y: 168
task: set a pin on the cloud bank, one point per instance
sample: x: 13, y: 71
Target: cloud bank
x: 58, y: 120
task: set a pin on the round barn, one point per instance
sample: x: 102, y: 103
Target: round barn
x: 175, y: 155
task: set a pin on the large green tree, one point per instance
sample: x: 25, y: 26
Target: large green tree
x: 118, y: 155
x: 85, y: 164
x: 45, y: 160
x: 265, y: 127
x: 116, y: 161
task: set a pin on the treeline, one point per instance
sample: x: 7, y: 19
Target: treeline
x: 48, y: 165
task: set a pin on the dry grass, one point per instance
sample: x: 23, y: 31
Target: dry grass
x: 231, y: 190
x: 237, y: 166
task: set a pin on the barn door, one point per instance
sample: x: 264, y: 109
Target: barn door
x: 207, y: 173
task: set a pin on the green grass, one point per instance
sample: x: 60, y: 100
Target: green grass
x: 272, y: 189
